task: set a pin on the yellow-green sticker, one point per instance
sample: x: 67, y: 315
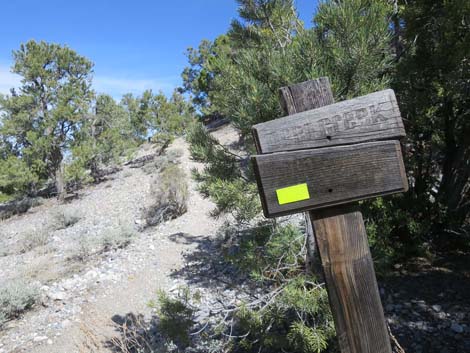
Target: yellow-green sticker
x: 292, y: 194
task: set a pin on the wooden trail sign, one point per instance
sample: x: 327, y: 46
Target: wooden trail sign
x: 322, y: 160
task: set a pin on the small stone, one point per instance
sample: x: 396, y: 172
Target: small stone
x: 91, y: 274
x: 49, y: 341
x: 456, y: 327
x: 68, y: 284
x: 40, y: 338
x: 59, y: 295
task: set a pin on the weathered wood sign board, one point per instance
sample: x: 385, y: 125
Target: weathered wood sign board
x: 298, y: 172
x: 331, y: 176
x: 372, y: 117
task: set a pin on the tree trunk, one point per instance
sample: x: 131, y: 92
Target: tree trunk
x: 60, y: 183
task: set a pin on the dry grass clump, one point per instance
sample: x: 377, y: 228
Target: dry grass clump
x: 174, y: 154
x: 65, y: 218
x: 162, y: 162
x: 117, y: 238
x: 170, y: 192
x: 84, y: 249
x: 34, y: 239
x: 15, y: 298
x: 112, y: 238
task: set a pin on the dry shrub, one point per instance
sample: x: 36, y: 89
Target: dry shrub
x: 34, y: 239
x: 174, y: 154
x: 15, y: 298
x: 84, y: 249
x: 170, y: 192
x: 65, y: 218
x: 117, y: 238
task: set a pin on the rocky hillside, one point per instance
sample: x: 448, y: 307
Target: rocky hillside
x: 86, y: 271
x: 92, y: 259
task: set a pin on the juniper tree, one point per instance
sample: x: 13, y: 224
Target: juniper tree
x: 105, y: 135
x: 433, y: 86
x: 42, y: 117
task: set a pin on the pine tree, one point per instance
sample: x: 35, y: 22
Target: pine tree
x: 41, y: 119
x: 433, y: 86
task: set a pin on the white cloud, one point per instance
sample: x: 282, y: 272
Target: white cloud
x: 117, y: 87
x: 114, y: 86
x: 7, y: 79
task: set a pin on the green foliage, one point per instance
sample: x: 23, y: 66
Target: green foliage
x: 432, y: 84
x: 267, y: 252
x: 151, y: 114
x: 15, y: 298
x: 236, y: 197
x: 306, y: 339
x: 298, y: 319
x: 271, y: 49
x: 15, y: 176
x: 274, y: 255
x: 40, y: 120
x: 105, y: 137
x: 176, y: 316
x: 6, y: 197
x: 222, y: 179
x: 357, y: 61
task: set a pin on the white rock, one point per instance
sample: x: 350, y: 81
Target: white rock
x: 59, y: 295
x: 69, y: 284
x: 40, y: 338
x: 91, y: 274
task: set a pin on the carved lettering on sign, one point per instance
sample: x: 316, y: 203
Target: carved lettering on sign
x: 375, y: 116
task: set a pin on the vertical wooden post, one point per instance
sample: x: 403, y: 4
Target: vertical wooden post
x: 295, y: 99
x: 340, y: 237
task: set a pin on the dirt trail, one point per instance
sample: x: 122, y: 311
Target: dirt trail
x: 131, y: 278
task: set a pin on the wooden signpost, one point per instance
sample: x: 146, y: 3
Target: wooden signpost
x: 323, y: 160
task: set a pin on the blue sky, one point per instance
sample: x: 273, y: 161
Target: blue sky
x: 135, y: 45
